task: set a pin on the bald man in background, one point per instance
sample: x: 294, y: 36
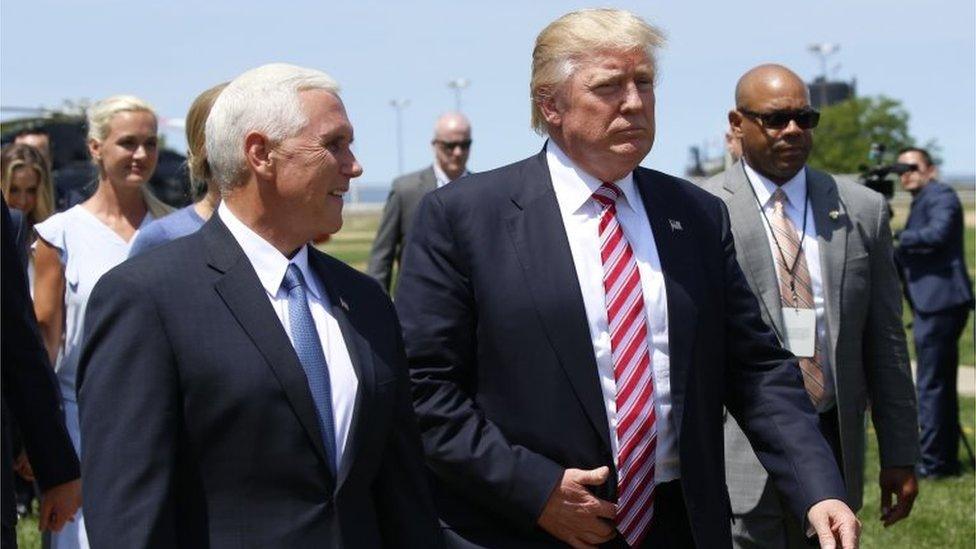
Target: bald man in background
x: 818, y: 255
x: 451, y: 145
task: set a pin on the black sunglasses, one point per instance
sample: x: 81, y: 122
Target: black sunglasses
x: 451, y: 145
x: 806, y: 119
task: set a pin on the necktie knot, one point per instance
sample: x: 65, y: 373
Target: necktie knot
x: 780, y: 200
x: 293, y: 278
x: 607, y: 194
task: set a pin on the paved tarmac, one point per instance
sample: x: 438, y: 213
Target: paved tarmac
x: 967, y: 380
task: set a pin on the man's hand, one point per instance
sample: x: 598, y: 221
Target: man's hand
x: 834, y: 521
x: 23, y: 467
x: 576, y: 516
x: 59, y: 504
x: 900, y: 483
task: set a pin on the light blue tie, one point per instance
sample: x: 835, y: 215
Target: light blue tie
x: 309, y: 349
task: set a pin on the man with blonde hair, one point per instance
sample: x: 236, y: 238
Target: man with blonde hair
x: 238, y: 387
x: 575, y: 324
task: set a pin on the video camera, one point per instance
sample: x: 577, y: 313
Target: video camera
x: 875, y: 176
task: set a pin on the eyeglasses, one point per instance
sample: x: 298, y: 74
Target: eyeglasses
x: 451, y: 145
x: 806, y: 119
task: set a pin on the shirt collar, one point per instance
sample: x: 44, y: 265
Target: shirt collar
x: 442, y: 178
x: 795, y: 188
x: 269, y: 263
x: 575, y: 187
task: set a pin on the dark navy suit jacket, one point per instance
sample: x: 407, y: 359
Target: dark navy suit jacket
x: 30, y: 397
x: 930, y: 251
x: 505, y: 380
x: 198, y: 425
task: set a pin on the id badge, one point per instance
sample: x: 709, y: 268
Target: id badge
x: 801, y: 331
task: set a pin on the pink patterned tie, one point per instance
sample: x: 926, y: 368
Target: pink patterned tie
x: 636, y: 432
x: 796, y: 290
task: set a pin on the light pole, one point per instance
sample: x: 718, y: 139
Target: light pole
x: 823, y: 50
x: 398, y: 106
x: 458, y: 85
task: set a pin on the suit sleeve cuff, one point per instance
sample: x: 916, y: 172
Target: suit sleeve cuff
x: 533, y: 482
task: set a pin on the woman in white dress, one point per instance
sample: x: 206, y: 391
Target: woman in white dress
x: 76, y: 247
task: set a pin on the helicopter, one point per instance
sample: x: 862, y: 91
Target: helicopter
x: 73, y: 174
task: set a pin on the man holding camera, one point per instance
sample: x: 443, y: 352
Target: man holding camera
x: 818, y: 255
x: 930, y: 255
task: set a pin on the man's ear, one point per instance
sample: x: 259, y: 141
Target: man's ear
x: 257, y: 154
x: 549, y: 106
x: 735, y: 123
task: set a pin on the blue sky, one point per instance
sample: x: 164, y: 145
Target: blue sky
x: 923, y: 54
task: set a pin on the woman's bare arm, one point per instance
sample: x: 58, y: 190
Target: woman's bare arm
x: 49, y: 296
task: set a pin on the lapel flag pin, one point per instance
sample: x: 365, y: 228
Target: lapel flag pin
x: 343, y: 304
x: 675, y: 225
x: 834, y: 214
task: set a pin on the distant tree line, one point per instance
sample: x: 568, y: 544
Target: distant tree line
x: 842, y: 141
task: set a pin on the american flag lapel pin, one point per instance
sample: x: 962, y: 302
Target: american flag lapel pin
x: 343, y: 304
x: 675, y: 225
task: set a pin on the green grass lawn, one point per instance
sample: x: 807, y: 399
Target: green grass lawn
x: 943, y: 516
x: 27, y: 535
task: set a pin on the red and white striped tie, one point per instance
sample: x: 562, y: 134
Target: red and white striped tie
x: 636, y: 431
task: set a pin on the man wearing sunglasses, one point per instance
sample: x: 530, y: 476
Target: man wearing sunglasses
x: 930, y: 254
x: 818, y: 255
x: 451, y: 145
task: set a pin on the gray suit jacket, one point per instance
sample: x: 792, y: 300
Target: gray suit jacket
x: 866, y: 341
x: 405, y: 195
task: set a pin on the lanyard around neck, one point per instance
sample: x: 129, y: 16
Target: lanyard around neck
x: 790, y: 269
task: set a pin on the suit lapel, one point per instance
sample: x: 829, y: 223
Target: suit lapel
x: 830, y: 217
x: 537, y: 230
x: 753, y: 244
x: 244, y: 296
x: 674, y: 237
x: 361, y: 355
x: 428, y: 181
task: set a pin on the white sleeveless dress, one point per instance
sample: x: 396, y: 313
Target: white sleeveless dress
x: 88, y: 249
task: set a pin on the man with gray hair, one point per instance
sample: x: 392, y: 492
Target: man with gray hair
x: 451, y: 145
x: 239, y: 387
x: 575, y: 323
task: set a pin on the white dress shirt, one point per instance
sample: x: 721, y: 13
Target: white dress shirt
x: 796, y: 202
x: 581, y: 215
x: 442, y: 178
x: 270, y: 266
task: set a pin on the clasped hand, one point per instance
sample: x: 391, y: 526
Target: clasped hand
x: 574, y: 515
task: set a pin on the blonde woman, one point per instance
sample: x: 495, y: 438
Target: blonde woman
x: 76, y: 247
x: 26, y: 182
x: 26, y: 185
